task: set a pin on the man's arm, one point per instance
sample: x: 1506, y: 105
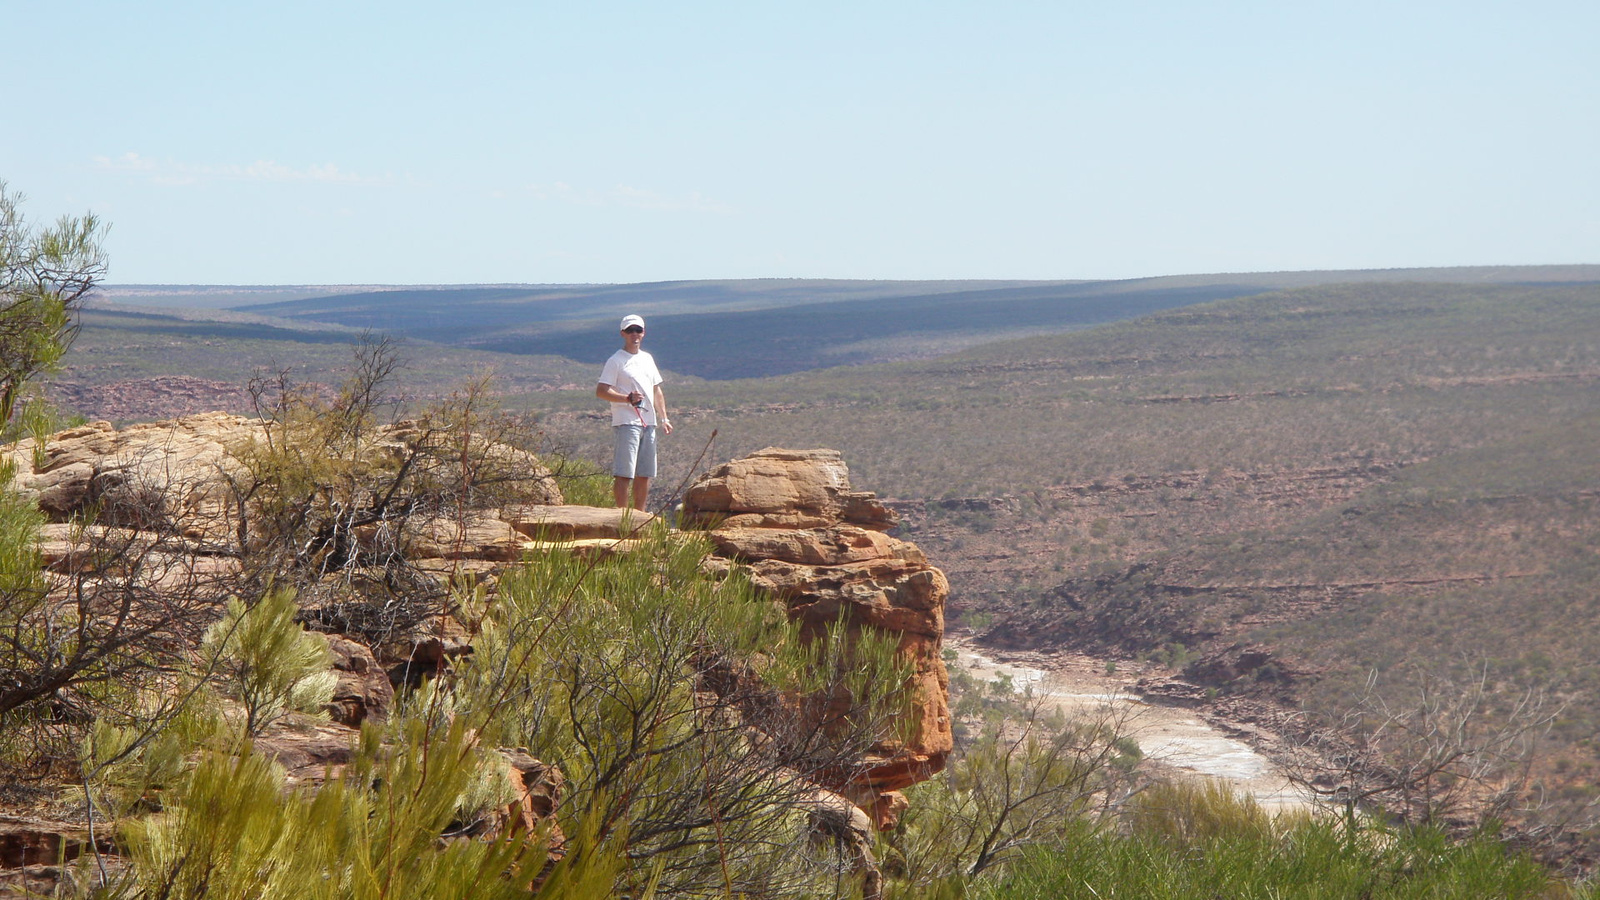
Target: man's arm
x: 607, y: 392
x: 660, y: 407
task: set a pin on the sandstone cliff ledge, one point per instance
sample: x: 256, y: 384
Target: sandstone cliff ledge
x: 791, y: 519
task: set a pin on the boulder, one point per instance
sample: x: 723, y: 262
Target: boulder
x: 825, y: 545
x: 138, y: 557
x: 478, y: 535
x: 66, y: 549
x: 811, y: 486
x: 64, y: 490
x: 167, y: 475
x: 177, y: 477
x: 363, y: 690
x: 425, y: 650
x: 891, y: 595
x: 539, y: 787
x: 156, y: 504
x: 495, y: 462
x: 887, y: 809
x: 834, y: 819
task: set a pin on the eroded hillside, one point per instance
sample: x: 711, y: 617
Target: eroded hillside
x: 1276, y: 496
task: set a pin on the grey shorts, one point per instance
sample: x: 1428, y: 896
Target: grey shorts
x: 633, y: 451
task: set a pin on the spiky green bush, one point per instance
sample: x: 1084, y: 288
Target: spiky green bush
x: 1196, y: 812
x: 267, y: 662
x: 234, y: 831
x: 129, y: 766
x: 582, y: 481
x: 20, y: 521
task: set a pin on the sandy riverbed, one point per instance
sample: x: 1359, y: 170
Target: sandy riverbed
x: 1174, y: 736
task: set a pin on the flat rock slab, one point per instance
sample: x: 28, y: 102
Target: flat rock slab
x: 309, y: 751
x: 575, y: 523
x: 832, y: 546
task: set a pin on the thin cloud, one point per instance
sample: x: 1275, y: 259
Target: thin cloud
x: 171, y: 172
x: 694, y: 201
x: 623, y: 195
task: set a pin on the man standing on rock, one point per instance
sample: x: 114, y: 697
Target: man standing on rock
x: 631, y: 382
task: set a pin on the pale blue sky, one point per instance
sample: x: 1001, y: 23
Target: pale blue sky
x: 396, y: 142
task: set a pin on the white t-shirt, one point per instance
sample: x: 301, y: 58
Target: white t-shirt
x: 628, y: 372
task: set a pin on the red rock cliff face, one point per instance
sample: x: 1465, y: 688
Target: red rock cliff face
x: 791, y: 520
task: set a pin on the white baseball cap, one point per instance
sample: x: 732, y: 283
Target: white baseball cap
x: 631, y: 320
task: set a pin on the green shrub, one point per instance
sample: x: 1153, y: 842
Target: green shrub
x: 1309, y: 859
x: 131, y: 766
x: 583, y: 483
x: 1191, y: 813
x: 267, y: 662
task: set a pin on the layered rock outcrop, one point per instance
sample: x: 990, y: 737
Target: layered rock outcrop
x: 791, y: 520
x: 168, y: 498
x: 184, y: 474
x: 168, y: 475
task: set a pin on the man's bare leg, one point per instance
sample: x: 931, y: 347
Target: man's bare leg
x: 619, y: 491
x: 641, y: 492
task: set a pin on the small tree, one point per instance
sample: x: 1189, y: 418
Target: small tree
x: 44, y: 275
x: 1450, y: 752
x: 333, y: 497
x: 1031, y: 776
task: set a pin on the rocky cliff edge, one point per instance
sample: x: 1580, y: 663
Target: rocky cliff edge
x: 790, y: 519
